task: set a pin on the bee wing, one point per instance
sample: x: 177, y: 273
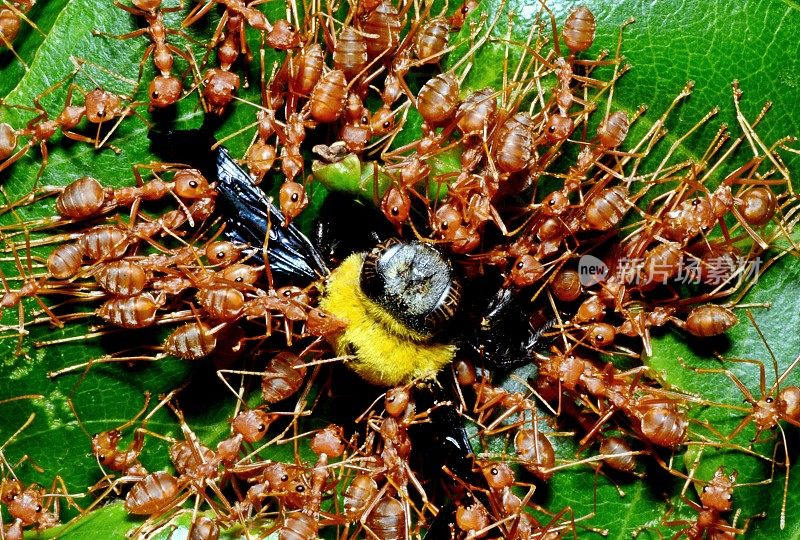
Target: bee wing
x: 250, y: 215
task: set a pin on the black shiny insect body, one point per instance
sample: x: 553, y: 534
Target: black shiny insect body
x: 506, y: 334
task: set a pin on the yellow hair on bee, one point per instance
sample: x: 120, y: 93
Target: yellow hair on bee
x: 388, y: 353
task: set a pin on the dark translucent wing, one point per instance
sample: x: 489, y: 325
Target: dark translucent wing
x: 249, y: 214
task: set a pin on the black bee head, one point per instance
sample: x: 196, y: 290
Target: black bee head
x: 413, y: 282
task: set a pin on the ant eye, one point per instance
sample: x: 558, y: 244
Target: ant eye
x: 365, y: 119
x: 295, y: 197
x: 494, y: 471
x: 465, y: 10
x: 769, y: 400
x: 395, y: 211
x: 193, y: 184
x: 520, y: 265
x: 387, y: 124
x: 239, y: 279
x: 38, y: 508
x: 300, y: 489
x: 551, y: 129
x: 284, y: 478
x: 220, y: 254
x: 154, y: 94
x: 262, y: 428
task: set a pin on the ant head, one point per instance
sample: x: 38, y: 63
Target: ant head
x: 396, y: 206
x: 10, y: 488
x: 101, y: 105
x: 397, y: 400
x: 328, y: 441
x: 278, y: 474
x: 471, y: 515
x: 460, y: 16
x: 293, y: 199
x: 241, y: 273
x: 105, y: 442
x: 164, y: 91
x: 555, y: 204
x: 321, y: 323
x: 220, y: 87
x: 222, y: 252
x: 498, y: 474
x: 382, y: 121
x: 261, y: 158
x: 465, y: 372
x: 190, y: 184
x: 252, y: 424
x: 718, y: 493
x: 526, y: 271
x: 558, y: 128
x: 446, y: 221
x: 283, y: 36
x: 26, y: 506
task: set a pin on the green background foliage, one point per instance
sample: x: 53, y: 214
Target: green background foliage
x: 671, y: 42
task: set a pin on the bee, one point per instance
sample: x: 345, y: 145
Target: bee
x: 396, y: 299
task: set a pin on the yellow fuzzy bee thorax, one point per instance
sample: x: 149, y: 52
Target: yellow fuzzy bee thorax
x: 387, y: 351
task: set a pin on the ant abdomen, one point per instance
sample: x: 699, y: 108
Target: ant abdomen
x: 152, y: 494
x: 81, y: 199
x: 710, y: 320
x: 438, y: 99
x: 350, y: 54
x: 383, y: 22
x: 579, y: 29
x: 191, y: 342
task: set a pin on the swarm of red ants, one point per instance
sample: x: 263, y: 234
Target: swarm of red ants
x: 583, y: 244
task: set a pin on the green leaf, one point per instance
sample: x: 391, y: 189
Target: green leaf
x: 670, y: 43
